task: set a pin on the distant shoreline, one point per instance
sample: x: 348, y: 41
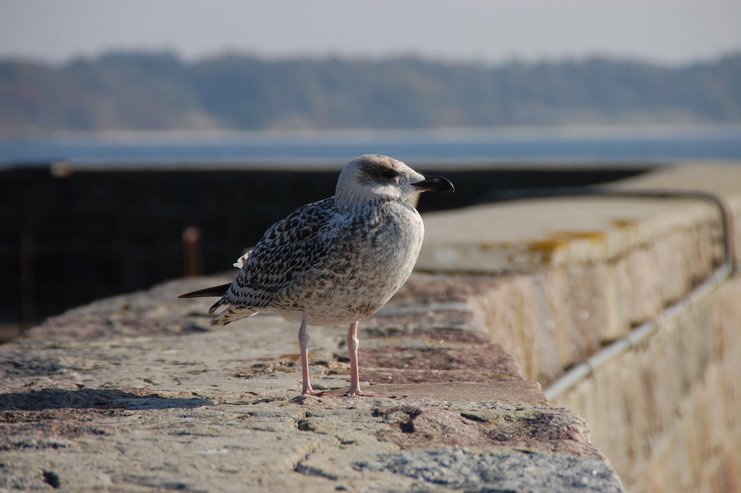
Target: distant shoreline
x: 161, y: 92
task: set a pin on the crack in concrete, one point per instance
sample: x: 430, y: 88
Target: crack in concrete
x: 308, y: 470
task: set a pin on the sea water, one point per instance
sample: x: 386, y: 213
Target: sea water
x: 510, y: 145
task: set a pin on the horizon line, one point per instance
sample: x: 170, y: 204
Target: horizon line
x: 513, y: 59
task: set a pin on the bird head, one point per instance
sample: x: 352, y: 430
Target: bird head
x: 373, y: 176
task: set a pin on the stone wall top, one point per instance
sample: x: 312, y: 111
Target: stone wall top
x: 530, y: 235
x: 138, y: 393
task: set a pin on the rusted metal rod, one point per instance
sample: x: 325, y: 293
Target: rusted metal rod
x: 191, y: 251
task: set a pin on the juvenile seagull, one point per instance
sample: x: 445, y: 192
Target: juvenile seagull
x: 334, y: 261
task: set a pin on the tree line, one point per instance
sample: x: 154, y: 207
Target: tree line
x: 159, y: 91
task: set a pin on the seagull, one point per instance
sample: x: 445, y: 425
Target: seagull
x: 335, y: 261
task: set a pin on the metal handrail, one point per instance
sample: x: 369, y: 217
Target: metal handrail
x: 639, y: 334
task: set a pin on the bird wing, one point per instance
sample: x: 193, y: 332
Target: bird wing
x: 288, y: 248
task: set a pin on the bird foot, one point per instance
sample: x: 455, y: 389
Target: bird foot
x: 315, y: 393
x: 352, y: 392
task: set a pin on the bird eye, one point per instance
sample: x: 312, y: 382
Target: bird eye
x: 389, y: 174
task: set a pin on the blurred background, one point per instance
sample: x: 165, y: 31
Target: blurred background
x: 141, y: 141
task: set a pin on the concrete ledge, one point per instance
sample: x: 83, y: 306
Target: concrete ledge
x: 137, y: 393
x: 572, y: 275
x: 529, y: 235
x: 565, y: 276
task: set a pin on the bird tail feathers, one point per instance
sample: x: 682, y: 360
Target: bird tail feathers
x: 231, y: 314
x: 213, y: 291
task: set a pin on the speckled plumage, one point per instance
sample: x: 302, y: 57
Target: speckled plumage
x: 337, y: 260
x: 333, y: 265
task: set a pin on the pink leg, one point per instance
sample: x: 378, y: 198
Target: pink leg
x: 303, y: 341
x: 352, y: 347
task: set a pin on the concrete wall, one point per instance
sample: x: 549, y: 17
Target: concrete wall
x: 569, y: 276
x: 667, y: 414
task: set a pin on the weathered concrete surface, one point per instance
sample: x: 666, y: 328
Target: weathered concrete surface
x: 136, y: 393
x: 562, y: 277
x: 558, y: 314
x: 668, y: 415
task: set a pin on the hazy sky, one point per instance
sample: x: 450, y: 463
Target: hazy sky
x: 669, y: 31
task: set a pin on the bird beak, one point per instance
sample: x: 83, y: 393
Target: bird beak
x: 434, y: 184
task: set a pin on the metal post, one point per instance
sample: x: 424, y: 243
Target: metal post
x: 191, y: 251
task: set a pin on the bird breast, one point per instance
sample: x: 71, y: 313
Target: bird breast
x: 372, y: 257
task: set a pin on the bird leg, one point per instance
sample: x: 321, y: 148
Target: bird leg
x: 303, y: 341
x: 352, y: 347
